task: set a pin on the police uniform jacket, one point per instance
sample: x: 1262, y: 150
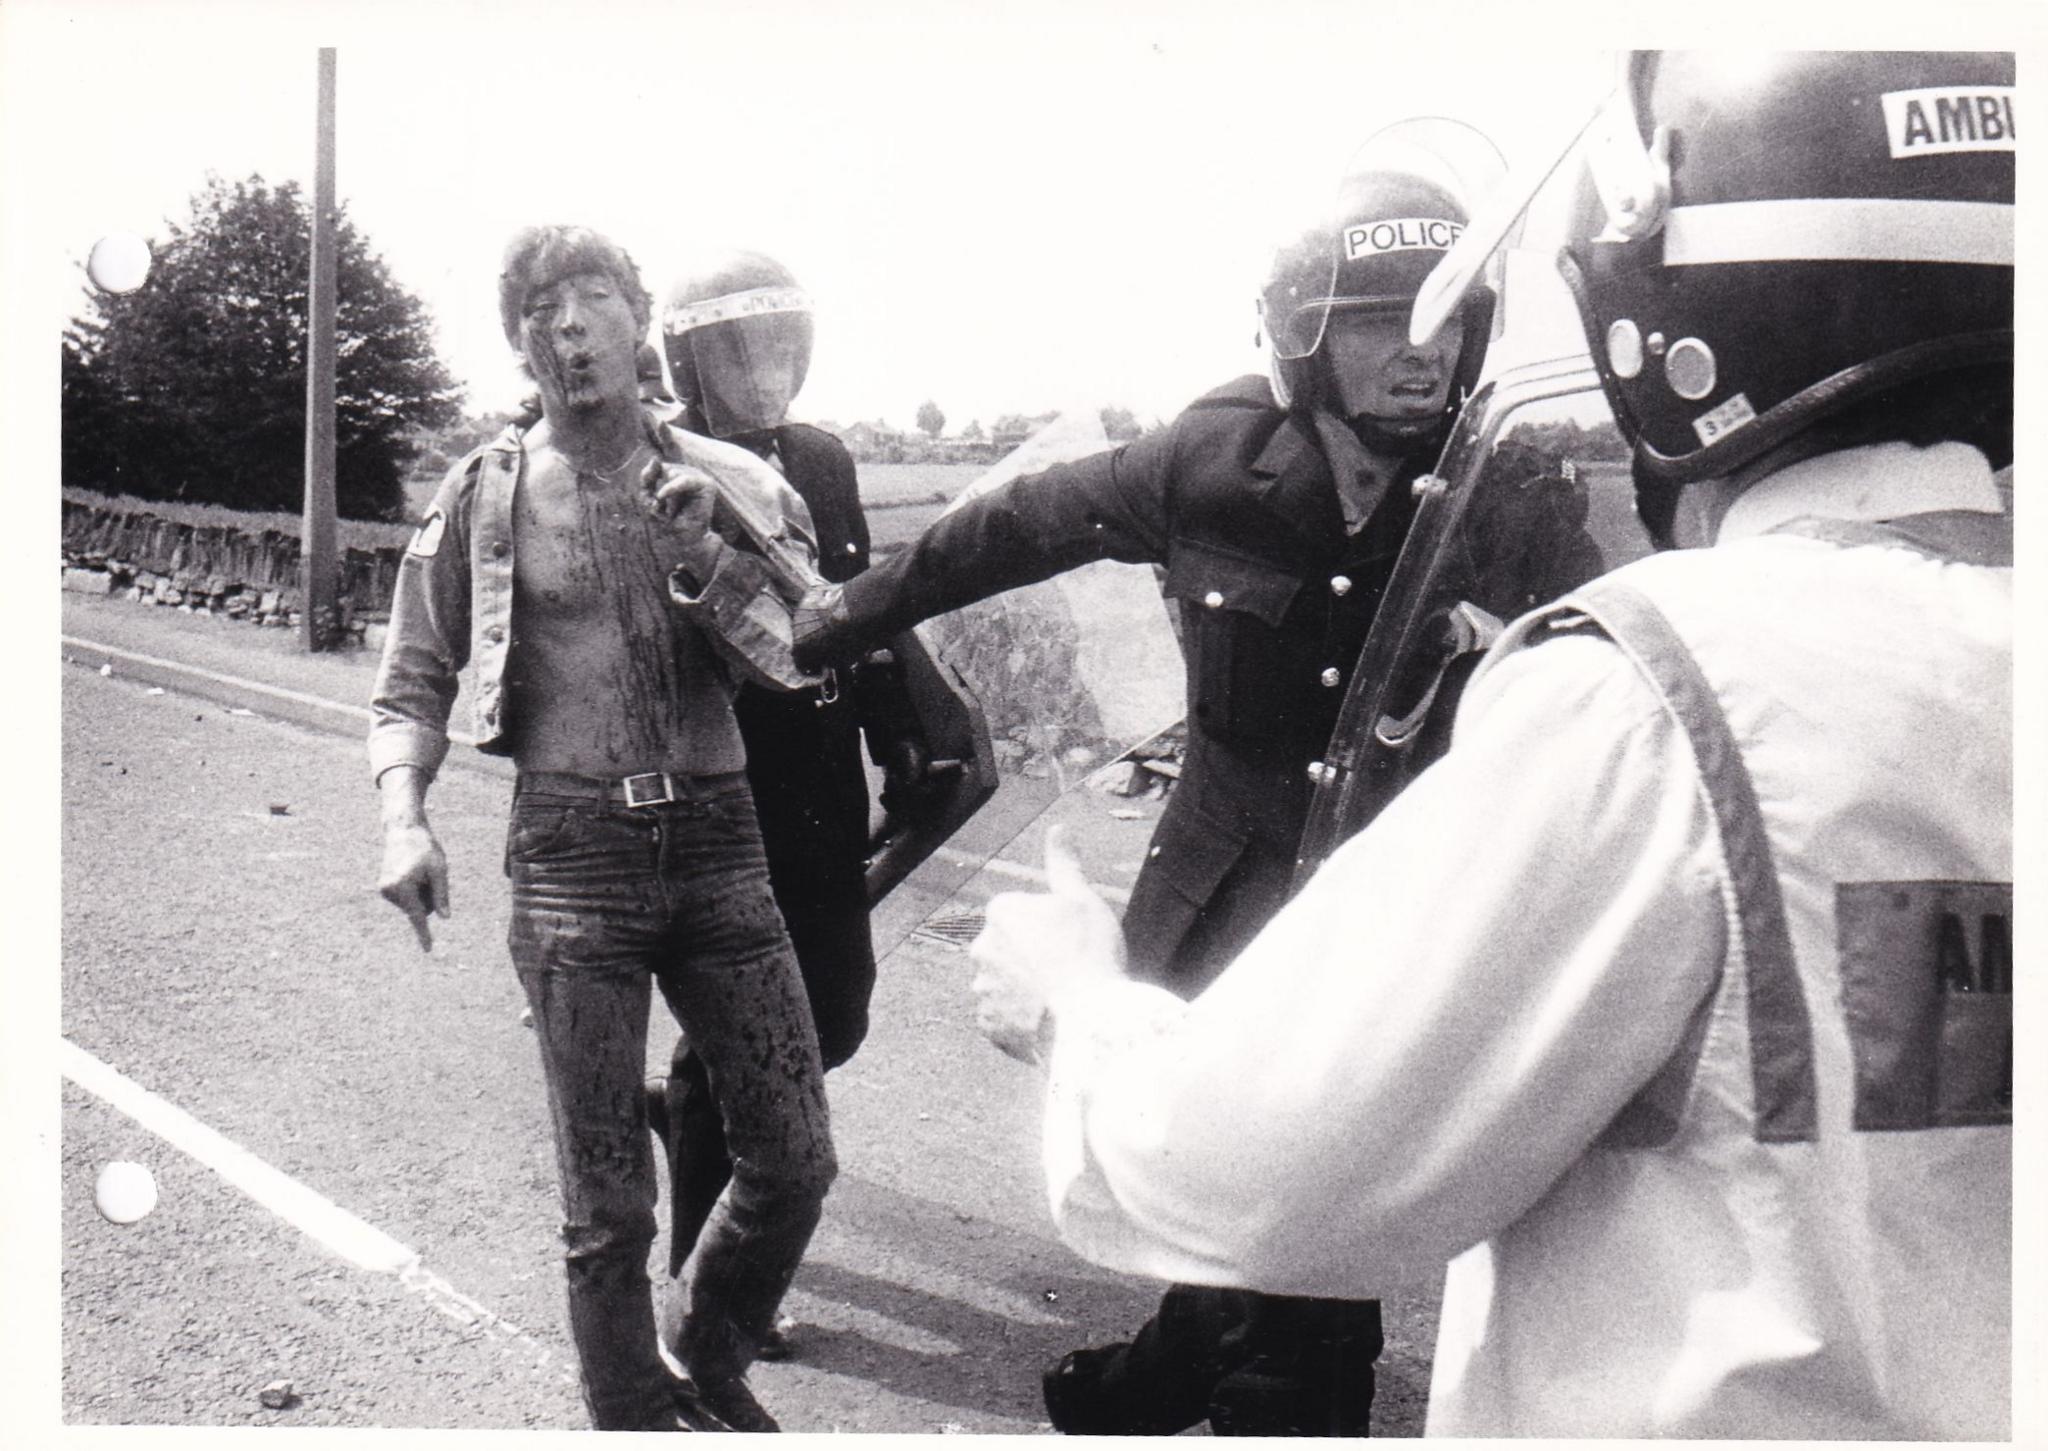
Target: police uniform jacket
x: 803, y: 746
x: 1237, y: 500
x: 1672, y: 1007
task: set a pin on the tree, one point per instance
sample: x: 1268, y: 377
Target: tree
x: 194, y: 386
x: 930, y: 419
x: 972, y: 432
x: 437, y: 450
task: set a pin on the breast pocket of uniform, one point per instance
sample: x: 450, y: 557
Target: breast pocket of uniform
x: 1240, y: 666
x: 1927, y: 982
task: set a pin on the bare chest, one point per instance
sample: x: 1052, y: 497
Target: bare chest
x: 583, y: 542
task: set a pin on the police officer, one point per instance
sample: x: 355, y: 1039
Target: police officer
x: 1673, y: 1005
x: 737, y: 331
x: 1277, y: 505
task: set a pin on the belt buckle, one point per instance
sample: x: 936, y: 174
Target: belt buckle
x: 661, y: 782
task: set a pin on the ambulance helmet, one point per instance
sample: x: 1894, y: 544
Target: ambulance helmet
x: 1763, y: 241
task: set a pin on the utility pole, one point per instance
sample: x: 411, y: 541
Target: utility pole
x: 318, y: 581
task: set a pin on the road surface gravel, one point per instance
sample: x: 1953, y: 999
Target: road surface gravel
x: 223, y: 948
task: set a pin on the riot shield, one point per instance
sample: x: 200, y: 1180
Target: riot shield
x: 960, y: 776
x: 1076, y: 669
x: 1532, y: 498
x: 1038, y: 686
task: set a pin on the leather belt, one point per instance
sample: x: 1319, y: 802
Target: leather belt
x: 648, y: 788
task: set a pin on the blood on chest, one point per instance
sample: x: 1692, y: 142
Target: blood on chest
x: 586, y: 547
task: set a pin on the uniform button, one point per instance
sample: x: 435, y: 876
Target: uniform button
x: 1315, y: 771
x: 1153, y: 852
x: 1331, y: 676
x: 1340, y: 584
x: 1213, y: 599
x: 499, y: 549
x: 495, y: 634
x: 851, y: 547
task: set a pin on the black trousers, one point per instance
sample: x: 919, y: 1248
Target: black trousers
x: 1249, y: 1364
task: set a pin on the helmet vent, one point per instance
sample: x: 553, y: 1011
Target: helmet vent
x: 1625, y: 348
x: 1690, y: 368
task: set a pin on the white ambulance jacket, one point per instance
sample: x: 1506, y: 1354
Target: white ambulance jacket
x: 1711, y: 1119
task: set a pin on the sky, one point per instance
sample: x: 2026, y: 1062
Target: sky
x: 999, y: 210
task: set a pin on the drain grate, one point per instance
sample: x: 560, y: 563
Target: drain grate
x: 958, y: 930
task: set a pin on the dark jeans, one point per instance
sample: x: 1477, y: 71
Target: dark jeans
x: 1250, y: 1364
x: 824, y: 902
x: 603, y: 897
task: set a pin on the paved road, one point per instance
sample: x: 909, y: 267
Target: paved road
x: 222, y: 950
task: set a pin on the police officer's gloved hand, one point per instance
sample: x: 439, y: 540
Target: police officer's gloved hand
x: 816, y: 626
x: 907, y: 779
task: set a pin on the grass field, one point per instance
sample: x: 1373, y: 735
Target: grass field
x: 884, y: 486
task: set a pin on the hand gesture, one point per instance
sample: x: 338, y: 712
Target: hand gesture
x: 414, y: 877
x: 1036, y: 945
x: 687, y: 498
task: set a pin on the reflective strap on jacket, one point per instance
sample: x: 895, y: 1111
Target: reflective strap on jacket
x: 1782, y: 1074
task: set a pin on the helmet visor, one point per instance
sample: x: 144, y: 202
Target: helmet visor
x: 748, y: 369
x: 1299, y: 292
x: 1401, y: 204
x: 1497, y: 224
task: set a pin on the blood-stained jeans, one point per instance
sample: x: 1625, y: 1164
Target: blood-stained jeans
x: 603, y: 898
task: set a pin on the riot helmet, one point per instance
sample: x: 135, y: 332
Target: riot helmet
x: 1768, y: 242
x: 1404, y: 200
x: 737, y: 331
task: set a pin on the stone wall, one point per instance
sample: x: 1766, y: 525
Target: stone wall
x: 1069, y: 672
x: 241, y: 573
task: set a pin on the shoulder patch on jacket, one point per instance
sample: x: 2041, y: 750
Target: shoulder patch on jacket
x: 426, y: 542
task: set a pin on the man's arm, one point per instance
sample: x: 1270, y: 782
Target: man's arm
x: 414, y: 875
x: 1110, y: 505
x: 424, y: 651
x: 1416, y: 1048
x: 751, y: 555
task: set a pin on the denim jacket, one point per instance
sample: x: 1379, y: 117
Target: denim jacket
x: 453, y: 606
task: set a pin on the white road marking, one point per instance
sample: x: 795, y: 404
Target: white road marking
x: 313, y: 1214
x: 239, y: 682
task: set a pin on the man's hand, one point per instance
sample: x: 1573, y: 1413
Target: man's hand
x: 814, y: 627
x: 414, y: 877
x: 1035, y: 946
x: 687, y: 498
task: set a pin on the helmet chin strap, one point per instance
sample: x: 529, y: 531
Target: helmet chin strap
x: 1399, y: 438
x: 1657, y: 509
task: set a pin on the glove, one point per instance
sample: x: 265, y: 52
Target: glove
x: 906, y: 777
x: 816, y: 626
x: 1036, y: 946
